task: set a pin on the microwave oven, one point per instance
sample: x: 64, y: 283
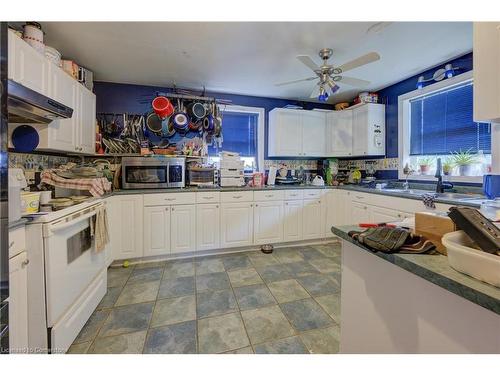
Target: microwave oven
x: 153, y: 172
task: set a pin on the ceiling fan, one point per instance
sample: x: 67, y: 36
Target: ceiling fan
x: 330, y: 75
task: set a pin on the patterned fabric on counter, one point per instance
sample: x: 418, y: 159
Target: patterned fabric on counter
x: 96, y: 186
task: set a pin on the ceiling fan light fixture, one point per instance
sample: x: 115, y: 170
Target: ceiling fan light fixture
x: 323, y: 95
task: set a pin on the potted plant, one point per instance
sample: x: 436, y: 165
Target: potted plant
x: 425, y: 164
x: 447, y: 166
x: 464, y: 160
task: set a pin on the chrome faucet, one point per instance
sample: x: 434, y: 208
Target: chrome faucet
x: 440, y: 186
x: 407, y: 171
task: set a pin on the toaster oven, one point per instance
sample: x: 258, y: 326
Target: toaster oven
x: 153, y: 172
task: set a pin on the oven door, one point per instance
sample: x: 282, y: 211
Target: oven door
x: 176, y: 175
x: 145, y: 176
x: 71, y: 262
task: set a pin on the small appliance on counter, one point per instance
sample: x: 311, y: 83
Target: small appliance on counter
x: 17, y: 182
x: 232, y: 169
x: 153, y: 172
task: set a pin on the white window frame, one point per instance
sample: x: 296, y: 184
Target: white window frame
x: 260, y: 128
x: 404, y: 127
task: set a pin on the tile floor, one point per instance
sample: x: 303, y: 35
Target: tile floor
x: 285, y: 302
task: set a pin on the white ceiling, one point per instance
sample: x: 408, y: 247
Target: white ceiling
x: 249, y: 58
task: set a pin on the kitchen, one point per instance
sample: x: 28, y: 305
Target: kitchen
x: 198, y: 207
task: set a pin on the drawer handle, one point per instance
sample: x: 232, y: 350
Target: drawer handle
x: 237, y: 196
x: 269, y: 195
x: 359, y: 197
x: 170, y: 199
x: 11, y: 244
x: 25, y: 263
x: 173, y: 209
x: 208, y: 197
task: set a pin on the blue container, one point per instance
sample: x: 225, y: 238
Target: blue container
x: 491, y: 185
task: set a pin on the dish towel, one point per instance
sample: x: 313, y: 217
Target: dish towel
x: 96, y: 186
x: 99, y: 229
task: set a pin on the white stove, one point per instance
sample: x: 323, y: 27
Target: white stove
x: 67, y: 277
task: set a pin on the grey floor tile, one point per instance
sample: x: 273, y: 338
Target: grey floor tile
x: 110, y: 298
x: 216, y: 302
x: 266, y: 324
x: 130, y: 343
x: 330, y: 250
x: 253, y: 296
x: 174, y: 310
x: 306, y: 314
x: 318, y: 285
x: 117, y: 277
x: 336, y: 276
x: 245, y: 350
x: 322, y: 341
x: 234, y: 262
x: 79, y: 348
x: 288, y: 345
x: 178, y: 268
x: 275, y: 272
x: 298, y: 269
x: 144, y: 275
x: 325, y: 265
x: 247, y: 276
x: 221, y: 333
x: 173, y: 339
x: 309, y: 253
x: 137, y: 293
x: 259, y: 259
x: 287, y: 290
x: 181, y: 286
x: 287, y: 255
x: 92, y: 326
x: 209, y: 265
x: 331, y: 304
x: 212, y: 281
x: 127, y: 319
x: 154, y: 264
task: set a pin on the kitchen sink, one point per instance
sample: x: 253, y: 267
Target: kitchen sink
x: 446, y: 195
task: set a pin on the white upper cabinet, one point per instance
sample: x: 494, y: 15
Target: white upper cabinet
x: 26, y: 66
x: 486, y: 56
x: 339, y: 133
x: 86, y: 115
x: 368, y: 130
x: 313, y: 133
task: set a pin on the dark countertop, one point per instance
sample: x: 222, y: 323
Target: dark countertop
x: 18, y: 223
x: 435, y: 268
x: 288, y: 187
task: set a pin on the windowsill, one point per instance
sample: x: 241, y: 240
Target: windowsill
x: 431, y: 178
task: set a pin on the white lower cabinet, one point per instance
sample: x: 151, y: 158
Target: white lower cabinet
x: 236, y: 224
x: 292, y: 221
x: 156, y: 230
x: 126, y: 226
x: 311, y: 219
x: 268, y: 222
x: 359, y: 213
x: 18, y: 302
x: 207, y: 226
x: 384, y: 215
x: 183, y: 228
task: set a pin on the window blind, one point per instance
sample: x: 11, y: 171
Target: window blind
x: 239, y: 131
x: 442, y: 122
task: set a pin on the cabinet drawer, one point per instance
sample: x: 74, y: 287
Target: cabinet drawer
x: 312, y: 193
x: 208, y: 197
x: 17, y: 241
x: 236, y: 196
x: 163, y: 199
x: 262, y: 196
x: 291, y: 195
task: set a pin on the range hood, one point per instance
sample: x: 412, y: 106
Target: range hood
x: 27, y: 106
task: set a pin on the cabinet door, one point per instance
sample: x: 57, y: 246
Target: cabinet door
x: 183, y: 228
x: 18, y: 302
x: 236, y: 224
x: 340, y: 124
x: 87, y: 120
x: 156, y: 230
x: 207, y: 226
x: 285, y: 133
x: 126, y: 226
x: 63, y: 88
x: 334, y: 210
x: 313, y: 133
x: 360, y: 131
x: 311, y: 219
x: 292, y: 221
x: 384, y: 215
x: 268, y: 222
x: 359, y: 213
x: 27, y: 66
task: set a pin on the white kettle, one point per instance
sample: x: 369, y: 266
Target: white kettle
x: 318, y: 181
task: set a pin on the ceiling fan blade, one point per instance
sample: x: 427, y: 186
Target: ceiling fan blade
x: 356, y: 82
x: 362, y: 60
x: 296, y: 81
x: 307, y: 61
x: 315, y: 92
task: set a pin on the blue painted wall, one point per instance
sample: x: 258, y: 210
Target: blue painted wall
x: 389, y: 95
x: 136, y: 99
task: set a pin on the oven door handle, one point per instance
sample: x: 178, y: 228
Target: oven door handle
x: 67, y: 224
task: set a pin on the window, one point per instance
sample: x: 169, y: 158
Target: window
x: 242, y: 132
x: 437, y: 122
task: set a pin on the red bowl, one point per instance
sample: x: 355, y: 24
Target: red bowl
x: 162, y: 107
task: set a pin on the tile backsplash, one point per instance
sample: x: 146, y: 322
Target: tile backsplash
x: 292, y: 164
x: 37, y: 162
x: 380, y: 164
